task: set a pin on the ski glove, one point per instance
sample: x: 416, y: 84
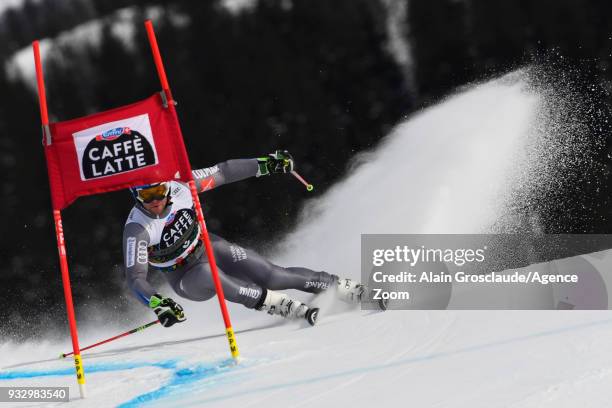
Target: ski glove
x: 167, y: 310
x: 278, y: 162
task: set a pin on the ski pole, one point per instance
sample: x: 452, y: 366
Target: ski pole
x: 64, y: 355
x: 309, y: 187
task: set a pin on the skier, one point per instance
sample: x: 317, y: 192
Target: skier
x: 162, y: 233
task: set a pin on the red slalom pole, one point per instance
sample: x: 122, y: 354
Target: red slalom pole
x: 59, y: 231
x: 229, y: 331
x: 127, y: 333
x: 159, y: 65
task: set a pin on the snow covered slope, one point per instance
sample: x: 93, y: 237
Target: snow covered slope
x: 442, y: 359
x: 442, y: 171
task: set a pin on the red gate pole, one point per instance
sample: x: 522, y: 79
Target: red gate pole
x: 59, y: 231
x: 194, y: 194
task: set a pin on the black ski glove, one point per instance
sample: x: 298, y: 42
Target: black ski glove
x: 278, y: 162
x: 167, y: 310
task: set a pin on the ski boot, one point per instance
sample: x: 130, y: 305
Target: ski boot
x: 354, y: 292
x: 281, y: 304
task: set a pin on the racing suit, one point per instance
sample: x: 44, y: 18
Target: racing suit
x: 170, y: 243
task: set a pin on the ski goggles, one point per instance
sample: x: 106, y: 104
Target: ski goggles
x: 150, y: 194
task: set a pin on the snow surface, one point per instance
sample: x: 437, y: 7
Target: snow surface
x: 441, y: 171
x: 417, y: 358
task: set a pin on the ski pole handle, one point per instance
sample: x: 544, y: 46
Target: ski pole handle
x: 64, y: 355
x: 309, y: 187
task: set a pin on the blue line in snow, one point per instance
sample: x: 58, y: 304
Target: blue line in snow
x: 89, y: 368
x: 180, y: 382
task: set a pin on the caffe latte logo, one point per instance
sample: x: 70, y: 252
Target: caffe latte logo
x: 178, y: 226
x: 109, y: 153
x: 115, y: 147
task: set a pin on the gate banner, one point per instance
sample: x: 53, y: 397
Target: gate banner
x: 107, y: 151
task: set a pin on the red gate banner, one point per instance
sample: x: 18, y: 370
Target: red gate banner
x: 113, y: 150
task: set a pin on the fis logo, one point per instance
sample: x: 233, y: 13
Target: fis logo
x: 113, y: 134
x: 170, y: 218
